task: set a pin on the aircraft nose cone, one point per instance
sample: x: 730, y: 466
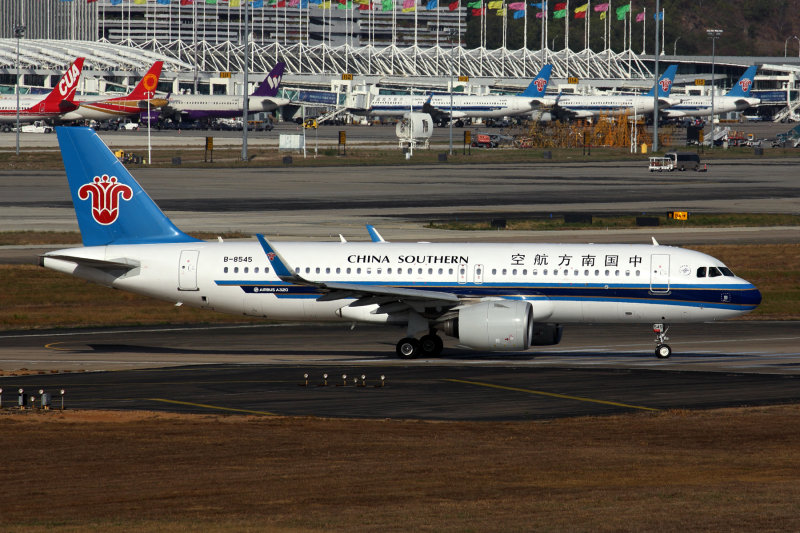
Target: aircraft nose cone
x: 752, y: 297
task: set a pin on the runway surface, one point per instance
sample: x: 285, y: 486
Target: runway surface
x: 596, y: 370
x: 259, y: 369
x: 297, y: 203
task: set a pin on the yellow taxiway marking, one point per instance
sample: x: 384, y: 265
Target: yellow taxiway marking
x: 551, y: 394
x: 52, y: 346
x: 216, y: 407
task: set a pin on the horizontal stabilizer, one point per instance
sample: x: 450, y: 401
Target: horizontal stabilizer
x: 119, y: 264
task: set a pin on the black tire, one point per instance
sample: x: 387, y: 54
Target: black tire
x: 408, y: 348
x: 431, y: 345
x: 663, y: 351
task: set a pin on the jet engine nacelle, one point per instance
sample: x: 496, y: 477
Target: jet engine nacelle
x: 496, y: 325
x: 542, y: 116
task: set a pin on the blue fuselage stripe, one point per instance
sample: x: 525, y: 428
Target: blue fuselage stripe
x: 718, y: 296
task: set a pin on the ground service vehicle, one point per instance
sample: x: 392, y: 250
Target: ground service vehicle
x: 684, y: 160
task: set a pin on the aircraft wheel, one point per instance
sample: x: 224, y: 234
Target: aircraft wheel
x: 431, y: 345
x: 408, y: 348
x: 663, y: 351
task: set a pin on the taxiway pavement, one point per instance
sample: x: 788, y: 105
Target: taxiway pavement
x: 260, y: 369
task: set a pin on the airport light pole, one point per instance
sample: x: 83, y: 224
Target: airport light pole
x: 786, y: 44
x: 675, y: 46
x: 245, y: 88
x: 655, y: 85
x: 19, y: 32
x: 451, y: 32
x: 714, y: 35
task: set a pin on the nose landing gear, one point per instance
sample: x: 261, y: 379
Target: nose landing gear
x: 663, y: 350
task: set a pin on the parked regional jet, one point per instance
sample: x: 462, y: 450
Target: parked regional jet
x: 200, y: 106
x: 464, y: 106
x: 52, y: 106
x: 491, y: 297
x: 737, y: 99
x: 582, y: 106
x: 134, y: 103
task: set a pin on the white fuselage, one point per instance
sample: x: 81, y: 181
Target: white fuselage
x: 609, y: 105
x: 464, y: 106
x: 30, y: 108
x: 700, y: 106
x: 565, y: 283
x: 206, y: 106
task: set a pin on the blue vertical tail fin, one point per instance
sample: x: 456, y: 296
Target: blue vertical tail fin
x: 111, y: 207
x: 665, y: 82
x: 538, y: 86
x: 745, y: 83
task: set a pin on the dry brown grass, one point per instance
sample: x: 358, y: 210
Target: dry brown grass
x: 723, y: 470
x: 35, y: 297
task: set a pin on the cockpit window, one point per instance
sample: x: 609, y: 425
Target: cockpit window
x: 701, y: 272
x: 726, y: 271
x: 713, y: 272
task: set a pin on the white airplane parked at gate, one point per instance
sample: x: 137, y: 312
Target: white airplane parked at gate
x: 737, y: 99
x: 463, y: 105
x: 584, y: 106
x: 490, y: 297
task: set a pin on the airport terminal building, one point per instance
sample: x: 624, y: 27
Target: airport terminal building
x: 343, y: 51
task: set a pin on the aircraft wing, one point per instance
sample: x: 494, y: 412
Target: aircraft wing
x: 153, y: 102
x: 266, y: 103
x: 672, y: 113
x: 439, y: 113
x: 559, y: 111
x: 542, y: 102
x: 338, y: 291
x: 364, y: 294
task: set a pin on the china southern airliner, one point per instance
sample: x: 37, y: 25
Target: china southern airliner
x: 490, y: 297
x: 464, y: 105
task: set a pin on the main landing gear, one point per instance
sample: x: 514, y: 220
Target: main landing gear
x: 663, y: 351
x: 429, y: 345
